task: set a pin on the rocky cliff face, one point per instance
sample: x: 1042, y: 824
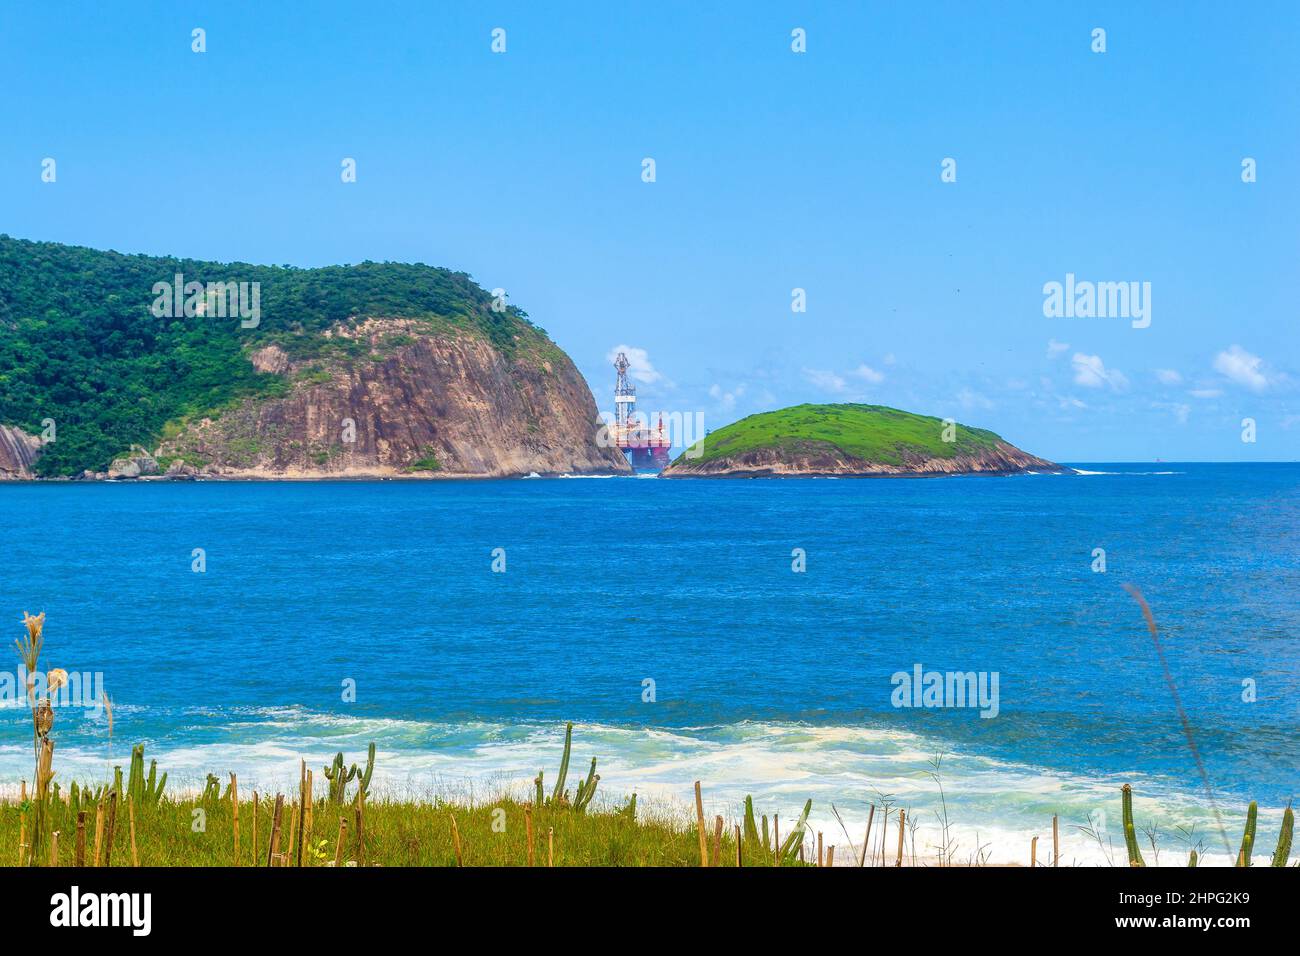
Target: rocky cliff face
x: 409, y: 404
x: 821, y: 459
x: 18, y: 452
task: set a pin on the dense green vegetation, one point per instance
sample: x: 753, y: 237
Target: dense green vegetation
x: 80, y: 345
x: 873, y: 433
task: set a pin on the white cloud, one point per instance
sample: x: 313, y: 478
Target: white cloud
x: 1167, y: 376
x: 1240, y: 366
x: 825, y: 380
x: 1091, y: 372
x: 726, y: 399
x: 1179, y: 409
x: 1055, y: 348
x: 869, y: 374
x: 639, y: 365
x: 1070, y: 402
x: 1205, y: 392
x: 972, y: 399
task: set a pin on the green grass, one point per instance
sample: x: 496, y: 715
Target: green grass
x: 397, y: 833
x: 428, y: 463
x: 874, y: 433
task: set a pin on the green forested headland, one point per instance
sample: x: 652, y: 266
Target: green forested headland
x: 80, y: 345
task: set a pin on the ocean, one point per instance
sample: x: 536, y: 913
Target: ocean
x: 667, y: 621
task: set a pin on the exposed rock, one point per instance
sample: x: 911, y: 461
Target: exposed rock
x: 444, y: 404
x: 134, y: 465
x: 18, y: 453
x: 271, y: 359
x: 827, y: 460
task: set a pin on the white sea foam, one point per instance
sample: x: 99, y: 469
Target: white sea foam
x: 1083, y: 471
x: 994, y: 807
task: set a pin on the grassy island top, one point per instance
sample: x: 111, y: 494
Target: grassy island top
x: 875, y: 433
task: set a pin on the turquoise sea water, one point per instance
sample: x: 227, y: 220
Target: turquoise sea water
x: 766, y: 681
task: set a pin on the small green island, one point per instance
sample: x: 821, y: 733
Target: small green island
x: 851, y: 440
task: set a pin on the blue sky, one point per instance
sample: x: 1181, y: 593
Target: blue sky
x: 775, y: 170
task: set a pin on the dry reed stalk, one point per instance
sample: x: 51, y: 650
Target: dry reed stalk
x: 234, y: 813
x: 550, y: 846
x: 902, y: 831
x: 293, y: 831
x: 867, y: 839
x: 776, y: 839
x: 1056, y: 842
x: 717, y: 843
x: 254, y: 828
x: 274, y: 848
x: 310, y: 823
x: 1136, y: 593
x: 819, y: 847
x: 699, y: 825
x: 130, y: 812
x: 455, y: 839
x: 54, y: 848
x: 343, y: 835
x: 81, y: 838
x: 528, y: 826
x: 44, y: 758
x: 22, y: 792
x: 830, y: 856
x: 302, y: 808
x: 112, y: 828
x: 739, y: 858
x: 99, y: 830
x: 1033, y: 853
x: 359, y: 811
x: 22, y: 841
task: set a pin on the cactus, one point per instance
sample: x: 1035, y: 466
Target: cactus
x: 629, y: 811
x: 1284, y: 838
x: 84, y: 798
x: 1191, y: 860
x: 211, y: 789
x: 135, y: 780
x: 153, y: 785
x: 363, y: 779
x: 338, y: 775
x: 751, y: 830
x: 587, y: 789
x: 1248, y: 837
x: 790, y: 848
x: 557, y: 795
x: 117, y: 780
x: 146, y: 792
x: 1130, y: 833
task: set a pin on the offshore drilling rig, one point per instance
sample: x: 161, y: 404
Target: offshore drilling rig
x: 643, y: 447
